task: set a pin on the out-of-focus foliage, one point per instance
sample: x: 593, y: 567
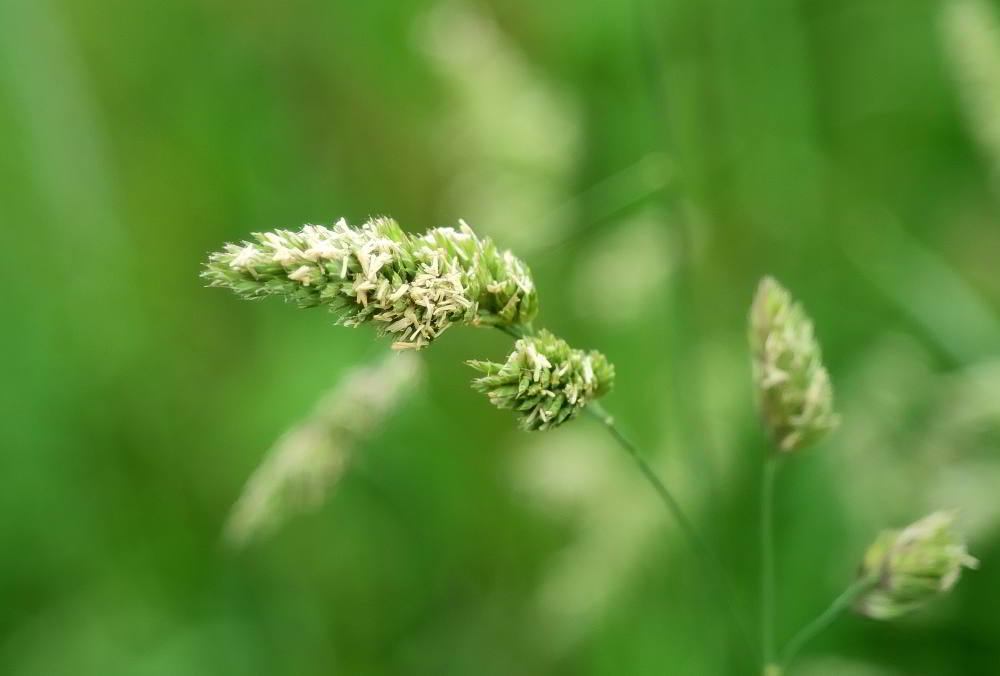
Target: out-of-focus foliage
x: 650, y: 161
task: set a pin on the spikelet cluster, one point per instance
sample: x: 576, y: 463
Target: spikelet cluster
x: 793, y: 387
x: 412, y: 287
x: 544, y: 380
x: 911, y: 567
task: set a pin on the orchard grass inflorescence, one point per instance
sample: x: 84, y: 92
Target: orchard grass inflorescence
x: 415, y: 287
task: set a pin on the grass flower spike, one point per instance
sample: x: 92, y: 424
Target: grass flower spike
x: 412, y: 287
x: 911, y: 567
x: 793, y: 387
x: 545, y: 380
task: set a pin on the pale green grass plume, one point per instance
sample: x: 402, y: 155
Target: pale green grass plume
x: 303, y: 467
x: 413, y: 287
x: 793, y: 387
x: 913, y: 566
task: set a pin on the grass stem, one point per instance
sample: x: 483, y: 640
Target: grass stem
x: 718, y: 583
x: 767, y: 559
x: 811, y: 630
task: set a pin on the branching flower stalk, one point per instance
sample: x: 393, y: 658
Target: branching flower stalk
x: 416, y: 287
x: 902, y: 570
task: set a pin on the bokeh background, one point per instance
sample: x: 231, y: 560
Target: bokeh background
x: 650, y: 160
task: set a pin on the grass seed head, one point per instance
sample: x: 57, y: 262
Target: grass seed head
x: 794, y: 393
x: 545, y: 381
x: 412, y: 287
x: 911, y: 567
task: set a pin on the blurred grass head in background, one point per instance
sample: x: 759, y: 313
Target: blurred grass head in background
x: 303, y: 467
x: 911, y: 566
x: 793, y: 386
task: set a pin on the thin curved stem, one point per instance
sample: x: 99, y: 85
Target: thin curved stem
x: 767, y: 558
x: 718, y: 583
x: 811, y: 630
x: 661, y: 489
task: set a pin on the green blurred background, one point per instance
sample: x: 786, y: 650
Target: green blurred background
x: 650, y: 160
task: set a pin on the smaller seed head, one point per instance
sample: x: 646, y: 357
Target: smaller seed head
x: 545, y: 381
x: 911, y: 567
